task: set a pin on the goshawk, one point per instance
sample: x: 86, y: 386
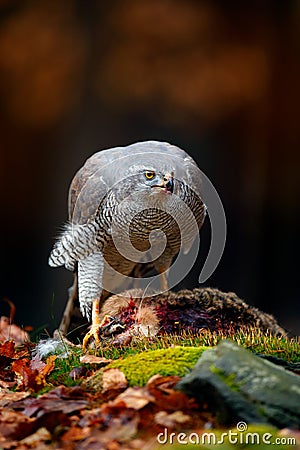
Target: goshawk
x: 131, y: 209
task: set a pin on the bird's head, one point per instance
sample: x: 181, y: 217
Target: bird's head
x: 158, y: 181
x: 146, y: 183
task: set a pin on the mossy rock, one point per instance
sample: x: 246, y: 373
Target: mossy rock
x: 139, y: 368
x: 237, y: 385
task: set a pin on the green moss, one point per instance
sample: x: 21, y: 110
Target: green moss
x: 228, y: 379
x: 190, y: 344
x: 252, y: 338
x: 63, y: 367
x: 173, y: 361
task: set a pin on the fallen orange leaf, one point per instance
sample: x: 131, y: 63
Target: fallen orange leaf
x: 113, y: 379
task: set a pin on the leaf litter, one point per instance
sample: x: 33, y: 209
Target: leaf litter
x: 37, y: 414
x: 76, y: 417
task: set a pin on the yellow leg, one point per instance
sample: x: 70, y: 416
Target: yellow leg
x: 94, y: 331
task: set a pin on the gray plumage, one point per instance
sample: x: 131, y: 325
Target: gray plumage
x: 111, y: 199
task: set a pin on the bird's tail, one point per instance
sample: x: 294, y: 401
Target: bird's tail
x: 75, y: 243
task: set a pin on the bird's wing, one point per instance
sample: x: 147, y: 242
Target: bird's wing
x: 90, y: 185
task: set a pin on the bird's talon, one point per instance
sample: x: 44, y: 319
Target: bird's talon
x: 96, y: 330
x: 93, y: 332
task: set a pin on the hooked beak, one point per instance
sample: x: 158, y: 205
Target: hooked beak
x: 168, y: 183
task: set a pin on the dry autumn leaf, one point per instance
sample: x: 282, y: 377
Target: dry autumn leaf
x: 7, y: 397
x: 91, y: 359
x: 11, y: 331
x: 135, y: 398
x: 42, y: 367
x: 171, y: 420
x: 76, y: 434
x: 15, y: 425
x: 35, y: 439
x: 7, y: 349
x: 113, y: 379
x: 26, y: 377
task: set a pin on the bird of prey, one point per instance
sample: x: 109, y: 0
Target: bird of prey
x: 131, y: 209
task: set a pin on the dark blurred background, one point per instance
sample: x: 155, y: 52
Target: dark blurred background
x: 218, y: 78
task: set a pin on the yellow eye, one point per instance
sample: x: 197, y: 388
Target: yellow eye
x: 149, y: 175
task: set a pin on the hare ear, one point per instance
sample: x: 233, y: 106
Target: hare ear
x: 217, y: 219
